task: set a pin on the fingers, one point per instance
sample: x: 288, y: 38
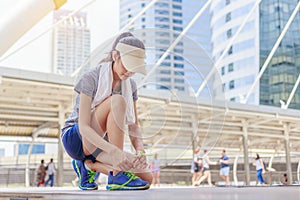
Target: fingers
x: 140, y: 162
x: 125, y: 165
x: 125, y: 162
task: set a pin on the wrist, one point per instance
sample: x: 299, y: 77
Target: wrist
x: 140, y: 151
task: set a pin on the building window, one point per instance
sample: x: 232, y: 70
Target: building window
x: 230, y: 51
x: 166, y: 64
x: 227, y: 2
x: 228, y: 17
x: 175, y: 28
x: 229, y: 33
x: 223, y: 70
x: 231, y: 84
x: 178, y: 58
x: 230, y: 67
x: 165, y: 71
x: 177, y: 14
x: 179, y: 73
x: 232, y: 99
x: 178, y: 50
x: 177, y: 65
x: 165, y: 79
x: 179, y: 80
x: 223, y: 87
x: 179, y: 88
x: 177, y: 21
x: 177, y: 7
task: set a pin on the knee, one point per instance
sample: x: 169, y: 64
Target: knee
x: 118, y: 102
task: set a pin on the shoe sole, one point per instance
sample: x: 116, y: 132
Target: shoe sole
x: 112, y: 187
x: 76, y: 169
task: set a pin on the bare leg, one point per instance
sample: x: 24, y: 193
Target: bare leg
x: 156, y: 179
x: 209, y: 178
x: 203, y: 178
x: 223, y: 177
x: 227, y: 180
x: 109, y: 117
x: 194, y: 178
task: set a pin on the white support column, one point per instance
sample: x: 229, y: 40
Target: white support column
x: 298, y: 172
x: 235, y: 179
x: 194, y: 125
x: 34, y: 135
x: 27, y: 168
x: 287, y: 152
x: 246, y: 153
x: 60, y: 152
x: 270, y: 163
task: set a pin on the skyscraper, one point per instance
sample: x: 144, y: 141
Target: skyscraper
x: 239, y: 67
x: 71, y: 42
x: 247, y: 54
x: 279, y: 78
x: 158, y: 28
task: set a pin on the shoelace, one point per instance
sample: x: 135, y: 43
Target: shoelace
x: 91, y: 176
x: 131, y: 177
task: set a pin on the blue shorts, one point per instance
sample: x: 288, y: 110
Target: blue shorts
x: 72, y: 142
x: 224, y: 171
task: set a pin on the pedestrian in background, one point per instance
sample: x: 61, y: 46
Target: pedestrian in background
x: 260, y: 169
x: 50, y: 171
x: 41, y: 174
x: 155, y: 168
x: 224, y: 171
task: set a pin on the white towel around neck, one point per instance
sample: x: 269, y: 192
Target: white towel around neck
x: 104, y: 90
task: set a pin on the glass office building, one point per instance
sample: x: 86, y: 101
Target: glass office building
x: 281, y: 74
x: 249, y: 50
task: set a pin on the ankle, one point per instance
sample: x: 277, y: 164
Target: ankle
x: 115, y: 172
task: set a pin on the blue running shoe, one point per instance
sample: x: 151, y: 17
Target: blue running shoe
x: 126, y: 181
x: 86, y: 177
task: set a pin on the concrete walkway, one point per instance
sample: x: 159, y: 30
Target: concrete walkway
x: 166, y: 193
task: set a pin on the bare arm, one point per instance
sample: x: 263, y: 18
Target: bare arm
x: 85, y: 129
x: 135, y: 133
x: 224, y: 161
x: 209, y: 161
x: 136, y: 139
x: 262, y: 164
x: 118, y: 159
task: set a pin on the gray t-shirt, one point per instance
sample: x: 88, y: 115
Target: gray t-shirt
x: 88, y: 85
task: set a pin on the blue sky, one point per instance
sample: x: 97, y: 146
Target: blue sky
x: 103, y: 21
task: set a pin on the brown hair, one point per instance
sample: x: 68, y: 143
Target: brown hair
x: 121, y: 36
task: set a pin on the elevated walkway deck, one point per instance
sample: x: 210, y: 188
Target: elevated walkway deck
x: 165, y: 192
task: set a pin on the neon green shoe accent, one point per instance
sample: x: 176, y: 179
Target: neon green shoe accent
x: 131, y: 177
x: 91, y: 176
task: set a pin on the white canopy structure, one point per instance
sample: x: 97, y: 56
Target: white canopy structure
x: 36, y: 104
